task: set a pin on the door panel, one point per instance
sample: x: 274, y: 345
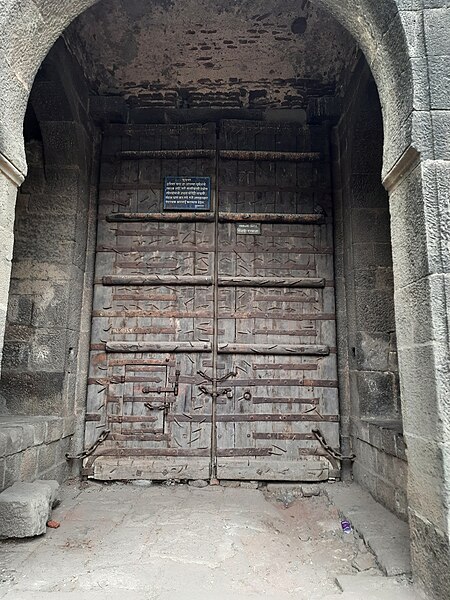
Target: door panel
x: 213, y: 339
x: 277, y: 398
x: 151, y: 331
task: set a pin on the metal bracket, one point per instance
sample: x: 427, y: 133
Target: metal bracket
x: 174, y: 391
x: 228, y: 392
x: 217, y: 379
x: 163, y: 406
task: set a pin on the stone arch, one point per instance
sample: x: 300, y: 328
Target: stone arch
x: 30, y: 28
x: 418, y: 199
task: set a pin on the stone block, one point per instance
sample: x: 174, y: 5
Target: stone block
x: 249, y: 485
x: 400, y: 447
x: 401, y: 504
x: 55, y: 428
x: 374, y: 310
x: 59, y: 472
x: 420, y: 377
x: 439, y: 81
x: 55, y: 497
x: 368, y: 192
x: 48, y: 351
x: 28, y: 464
x: 20, y: 309
x: 15, y: 355
x: 410, y: 254
x: 14, y: 441
x: 52, y: 306
x: 437, y: 25
x: 33, y: 393
x: 371, y: 224
x: 310, y: 490
x: 372, y: 351
x: 441, y: 126
x: 47, y: 457
x: 198, y: 483
x: 12, y: 467
x: 427, y: 485
x: 412, y: 23
x: 40, y: 431
x: 430, y: 555
x: 377, y: 394
x: 365, y: 478
x: 25, y: 509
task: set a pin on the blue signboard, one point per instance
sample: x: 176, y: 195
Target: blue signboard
x: 187, y: 193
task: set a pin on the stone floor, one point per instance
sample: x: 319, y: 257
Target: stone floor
x: 167, y: 542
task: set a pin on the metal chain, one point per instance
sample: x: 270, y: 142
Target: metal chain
x: 92, y: 449
x: 331, y: 451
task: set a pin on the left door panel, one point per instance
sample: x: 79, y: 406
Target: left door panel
x: 151, y: 332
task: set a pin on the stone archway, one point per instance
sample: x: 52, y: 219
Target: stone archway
x: 417, y: 185
x: 30, y: 30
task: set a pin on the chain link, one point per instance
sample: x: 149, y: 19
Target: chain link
x: 92, y: 449
x: 331, y: 451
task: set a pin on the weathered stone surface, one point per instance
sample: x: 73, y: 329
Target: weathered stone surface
x: 383, y: 533
x: 373, y: 588
x: 25, y: 508
x: 364, y: 561
x: 198, y: 483
x: 407, y: 48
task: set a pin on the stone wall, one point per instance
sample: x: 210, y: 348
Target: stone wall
x: 368, y: 354
x: 34, y: 448
x: 46, y: 339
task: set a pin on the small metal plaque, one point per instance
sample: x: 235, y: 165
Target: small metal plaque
x: 187, y: 193
x: 248, y: 229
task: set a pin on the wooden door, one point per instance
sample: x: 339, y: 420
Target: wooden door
x: 152, y: 326
x: 213, y: 339
x: 276, y: 314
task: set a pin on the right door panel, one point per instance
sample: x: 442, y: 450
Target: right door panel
x: 276, y: 312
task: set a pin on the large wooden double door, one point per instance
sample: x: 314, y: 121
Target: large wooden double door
x: 213, y: 350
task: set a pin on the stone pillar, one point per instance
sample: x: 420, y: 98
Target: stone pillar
x: 10, y: 179
x: 419, y: 203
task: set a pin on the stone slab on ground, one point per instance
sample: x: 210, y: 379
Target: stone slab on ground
x: 374, y: 588
x: 164, y: 542
x: 26, y: 507
x: 385, y: 534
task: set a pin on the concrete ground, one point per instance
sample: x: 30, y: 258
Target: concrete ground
x: 165, y: 542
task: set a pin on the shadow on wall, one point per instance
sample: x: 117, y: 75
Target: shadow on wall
x: 40, y: 385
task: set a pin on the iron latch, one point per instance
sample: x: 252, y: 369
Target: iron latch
x: 228, y: 392
x: 159, y: 390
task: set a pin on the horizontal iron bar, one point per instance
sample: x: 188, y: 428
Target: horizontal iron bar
x: 224, y: 217
x: 157, y: 280
x: 294, y: 218
x: 149, y: 154
x: 178, y: 217
x: 244, y: 417
x: 274, y: 349
x: 269, y: 282
x: 269, y: 156
x: 158, y: 347
x: 224, y: 281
